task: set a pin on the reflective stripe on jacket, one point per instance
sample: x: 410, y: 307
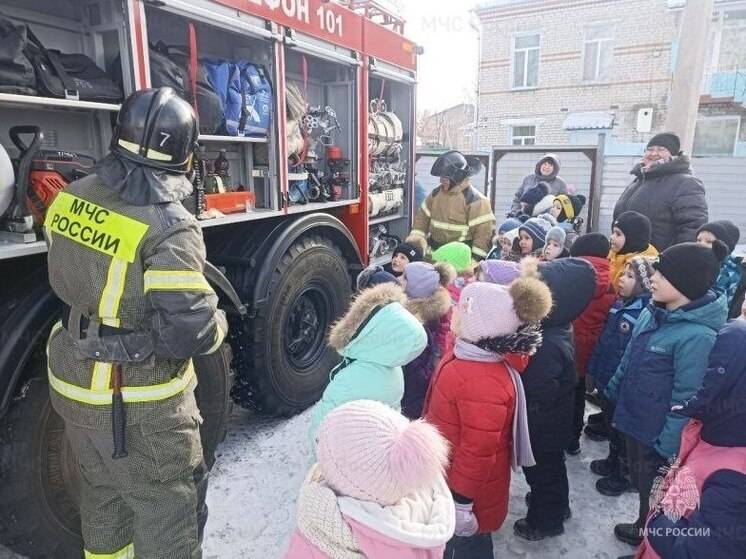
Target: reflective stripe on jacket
x: 461, y: 213
x: 138, y: 268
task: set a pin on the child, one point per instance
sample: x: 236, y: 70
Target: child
x: 593, y: 248
x: 377, y: 490
x: 532, y: 235
x: 408, y: 251
x: 731, y: 273
x: 476, y: 401
x: 457, y: 255
x: 634, y: 296
x: 500, y: 241
x: 664, y: 363
x: 549, y: 382
x: 372, y: 276
x: 428, y: 300
x: 630, y: 236
x: 566, y: 210
x: 712, y: 463
x: 554, y: 244
x: 375, y: 338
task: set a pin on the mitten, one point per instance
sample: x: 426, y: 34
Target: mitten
x: 466, y: 522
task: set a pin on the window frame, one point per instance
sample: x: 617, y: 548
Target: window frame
x: 526, y: 50
x: 711, y: 118
x: 599, y: 42
x: 512, y: 136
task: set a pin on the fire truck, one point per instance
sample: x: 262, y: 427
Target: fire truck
x: 290, y: 213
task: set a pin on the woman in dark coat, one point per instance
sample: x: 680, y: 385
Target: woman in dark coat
x: 549, y: 382
x: 665, y: 191
x: 547, y: 171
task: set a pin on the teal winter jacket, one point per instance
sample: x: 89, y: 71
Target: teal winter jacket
x: 662, y: 367
x: 376, y: 338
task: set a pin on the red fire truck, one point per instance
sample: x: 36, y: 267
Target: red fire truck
x: 322, y: 192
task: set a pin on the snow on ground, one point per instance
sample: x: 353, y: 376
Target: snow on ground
x: 262, y: 463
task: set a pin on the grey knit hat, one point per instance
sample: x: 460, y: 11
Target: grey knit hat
x: 556, y: 234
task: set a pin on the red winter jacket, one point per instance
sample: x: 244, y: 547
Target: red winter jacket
x: 589, y: 325
x: 472, y: 404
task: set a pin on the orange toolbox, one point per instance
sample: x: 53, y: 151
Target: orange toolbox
x: 230, y: 202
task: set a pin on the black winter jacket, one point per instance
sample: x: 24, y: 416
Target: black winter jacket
x: 670, y: 197
x: 550, y: 378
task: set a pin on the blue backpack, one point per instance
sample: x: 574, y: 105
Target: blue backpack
x: 245, y: 94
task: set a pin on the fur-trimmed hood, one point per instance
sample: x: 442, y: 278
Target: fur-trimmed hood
x: 378, y: 328
x: 433, y: 308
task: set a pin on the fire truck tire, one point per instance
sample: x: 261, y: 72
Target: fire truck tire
x: 39, y: 515
x: 309, y: 290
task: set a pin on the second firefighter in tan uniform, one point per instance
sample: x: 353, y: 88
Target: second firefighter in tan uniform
x: 127, y: 261
x: 455, y: 210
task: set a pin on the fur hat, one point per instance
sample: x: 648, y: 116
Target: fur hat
x: 368, y: 451
x: 488, y: 310
x: 457, y: 255
x: 571, y: 206
x: 723, y: 230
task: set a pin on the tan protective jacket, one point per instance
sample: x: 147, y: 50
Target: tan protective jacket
x: 138, y: 268
x: 461, y: 213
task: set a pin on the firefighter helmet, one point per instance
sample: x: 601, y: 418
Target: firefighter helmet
x: 156, y: 128
x: 455, y: 166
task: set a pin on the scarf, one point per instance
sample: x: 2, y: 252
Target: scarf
x: 521, y: 454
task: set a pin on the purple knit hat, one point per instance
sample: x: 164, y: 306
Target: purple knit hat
x: 500, y: 271
x: 422, y: 280
x: 368, y: 451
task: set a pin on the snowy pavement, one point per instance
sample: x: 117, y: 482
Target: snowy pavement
x: 255, y: 481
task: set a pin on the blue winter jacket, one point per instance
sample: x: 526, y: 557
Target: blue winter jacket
x: 730, y: 278
x: 616, y: 334
x: 663, y: 366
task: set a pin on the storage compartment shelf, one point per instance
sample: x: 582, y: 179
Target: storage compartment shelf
x: 314, y: 206
x: 52, y: 103
x: 13, y: 250
x: 232, y: 139
x: 240, y: 217
x: 380, y: 260
x: 384, y: 219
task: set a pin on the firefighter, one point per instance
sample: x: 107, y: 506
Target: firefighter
x: 455, y: 210
x: 127, y: 259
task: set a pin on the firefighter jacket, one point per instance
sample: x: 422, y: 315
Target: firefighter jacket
x: 134, y: 275
x: 461, y: 213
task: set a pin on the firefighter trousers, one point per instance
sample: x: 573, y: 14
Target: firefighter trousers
x: 144, y: 505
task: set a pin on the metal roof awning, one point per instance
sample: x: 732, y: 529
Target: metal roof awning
x: 594, y: 120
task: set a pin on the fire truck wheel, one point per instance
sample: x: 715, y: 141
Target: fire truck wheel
x: 39, y: 514
x: 309, y: 290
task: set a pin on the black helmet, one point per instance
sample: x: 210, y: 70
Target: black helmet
x: 156, y: 128
x: 455, y: 166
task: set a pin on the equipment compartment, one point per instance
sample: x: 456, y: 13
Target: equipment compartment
x: 321, y: 129
x: 390, y: 117
x: 239, y: 151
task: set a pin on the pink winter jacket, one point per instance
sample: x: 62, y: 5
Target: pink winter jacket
x: 332, y: 527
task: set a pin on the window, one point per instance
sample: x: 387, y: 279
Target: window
x: 732, y: 54
x: 526, y: 51
x: 523, y: 135
x: 716, y: 135
x: 598, y: 53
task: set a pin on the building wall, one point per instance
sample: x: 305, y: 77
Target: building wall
x: 451, y: 128
x: 640, y: 71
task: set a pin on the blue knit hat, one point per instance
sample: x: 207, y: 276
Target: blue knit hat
x: 537, y: 228
x: 508, y: 225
